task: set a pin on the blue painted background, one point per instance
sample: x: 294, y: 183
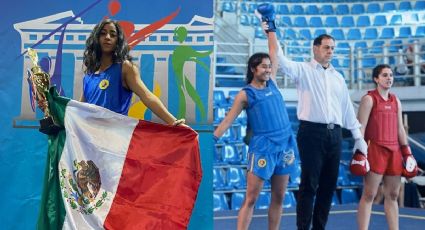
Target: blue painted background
x: 23, y: 150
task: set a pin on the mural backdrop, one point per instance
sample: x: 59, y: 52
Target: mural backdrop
x: 171, y: 41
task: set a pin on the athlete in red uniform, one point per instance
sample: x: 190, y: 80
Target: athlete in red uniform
x: 380, y: 115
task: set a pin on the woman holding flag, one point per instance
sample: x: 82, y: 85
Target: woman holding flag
x: 111, y: 77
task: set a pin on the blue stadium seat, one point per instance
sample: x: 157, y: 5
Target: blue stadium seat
x: 357, y: 9
x: 242, y: 150
x: 228, y: 7
x: 220, y: 202
x: 315, y: 22
x: 244, y: 7
x: 412, y: 19
x: 360, y: 45
x: 342, y: 9
x: 335, y: 199
x: 347, y: 21
x: 236, y: 178
x: 396, y: 45
x: 312, y: 9
x: 373, y: 8
x: 245, y: 20
x: 343, y: 176
x: 396, y: 19
x: 259, y: 33
x: 405, y: 32
x: 230, y: 155
x: 305, y: 34
x: 237, y: 199
x: 219, y: 182
x: 420, y: 31
x: 370, y: 33
x: 389, y: 7
x: 242, y: 118
x: 279, y: 34
x: 343, y: 47
x: 349, y: 196
x: 377, y: 47
x: 285, y: 21
x: 380, y: 20
x: 232, y: 95
x: 267, y: 184
x: 387, y: 33
x: 345, y: 63
x: 335, y: 62
x: 252, y: 7
x: 300, y: 21
x: 219, y: 99
x: 368, y: 61
x: 218, y: 153
x: 354, y: 34
x: 282, y: 9
x: 338, y: 34
x: 243, y: 134
x: 346, y: 145
x: 327, y: 10
x: 405, y: 6
x: 227, y: 136
x: 290, y: 34
x: 292, y: 110
x: 363, y: 21
x: 319, y: 32
x: 289, y: 200
x: 419, y: 5
x: 295, y: 176
x: 297, y: 10
x: 235, y: 128
x: 263, y: 200
x: 219, y: 114
x: 294, y: 48
x: 255, y: 21
x: 331, y: 21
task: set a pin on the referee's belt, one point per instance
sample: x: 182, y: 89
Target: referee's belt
x: 320, y: 125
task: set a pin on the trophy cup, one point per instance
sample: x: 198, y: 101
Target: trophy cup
x: 41, y: 83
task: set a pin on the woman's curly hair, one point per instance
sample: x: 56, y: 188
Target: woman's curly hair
x: 93, y: 51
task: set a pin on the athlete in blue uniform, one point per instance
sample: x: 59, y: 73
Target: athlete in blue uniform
x: 272, y: 147
x: 111, y: 77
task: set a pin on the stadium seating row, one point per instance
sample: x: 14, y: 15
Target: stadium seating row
x: 339, y: 21
x: 329, y: 9
x: 352, y: 34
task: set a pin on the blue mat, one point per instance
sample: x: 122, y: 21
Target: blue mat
x: 341, y: 217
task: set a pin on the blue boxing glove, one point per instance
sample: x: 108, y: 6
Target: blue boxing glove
x: 267, y: 15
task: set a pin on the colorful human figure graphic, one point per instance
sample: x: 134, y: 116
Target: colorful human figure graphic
x: 181, y: 55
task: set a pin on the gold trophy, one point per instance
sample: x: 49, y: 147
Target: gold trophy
x: 40, y: 81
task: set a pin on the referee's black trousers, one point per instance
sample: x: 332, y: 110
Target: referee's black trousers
x: 320, y: 149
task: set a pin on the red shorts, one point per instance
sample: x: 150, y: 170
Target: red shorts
x: 384, y: 161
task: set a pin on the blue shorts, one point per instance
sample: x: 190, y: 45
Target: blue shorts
x: 266, y: 165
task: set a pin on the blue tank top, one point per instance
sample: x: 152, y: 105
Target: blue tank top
x: 105, y: 89
x: 268, y: 118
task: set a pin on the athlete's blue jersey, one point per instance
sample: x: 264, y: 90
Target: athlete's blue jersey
x: 105, y: 89
x: 268, y: 119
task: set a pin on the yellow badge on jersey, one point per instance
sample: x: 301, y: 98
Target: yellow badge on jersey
x: 103, y: 84
x: 262, y: 162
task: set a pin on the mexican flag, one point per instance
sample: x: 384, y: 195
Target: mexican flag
x: 109, y: 171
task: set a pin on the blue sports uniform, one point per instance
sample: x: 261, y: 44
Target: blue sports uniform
x: 105, y: 89
x: 272, y: 148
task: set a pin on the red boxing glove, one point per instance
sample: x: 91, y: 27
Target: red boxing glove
x: 410, y: 167
x: 359, y: 164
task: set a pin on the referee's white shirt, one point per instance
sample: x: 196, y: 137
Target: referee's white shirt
x: 323, y: 95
